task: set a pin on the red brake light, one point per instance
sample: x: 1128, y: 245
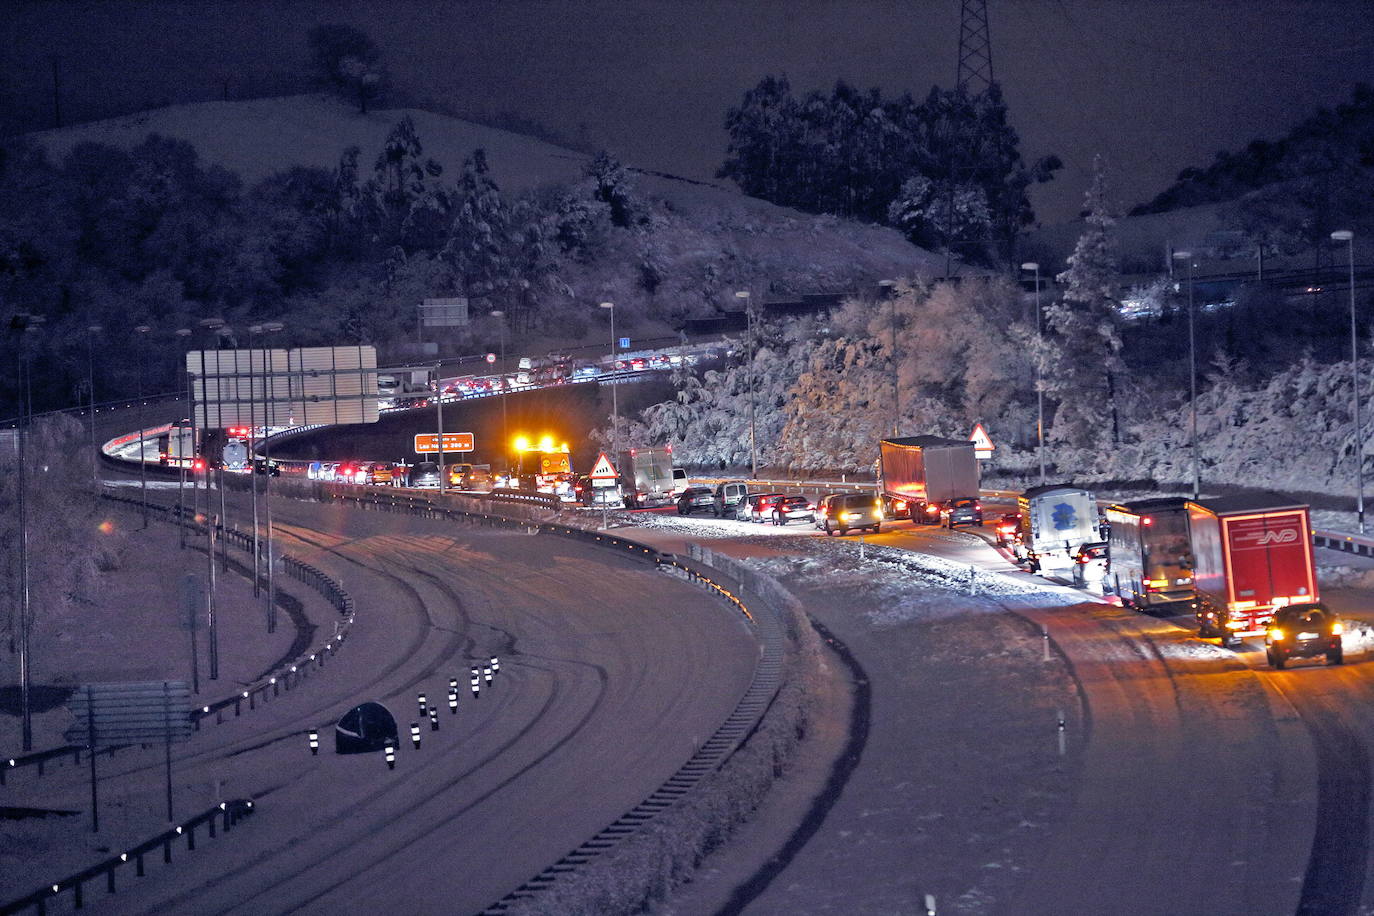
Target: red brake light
x: 1147, y: 521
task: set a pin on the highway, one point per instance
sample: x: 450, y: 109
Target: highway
x: 1196, y: 779
x: 1193, y: 779
x: 611, y: 675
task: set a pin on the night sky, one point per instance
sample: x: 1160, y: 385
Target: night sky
x: 1154, y: 86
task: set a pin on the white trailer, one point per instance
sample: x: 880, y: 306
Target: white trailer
x: 1055, y: 521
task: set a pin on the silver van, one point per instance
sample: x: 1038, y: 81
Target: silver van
x: 728, y: 497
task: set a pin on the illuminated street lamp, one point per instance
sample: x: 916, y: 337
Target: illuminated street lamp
x: 1345, y: 235
x: 142, y: 331
x: 753, y: 433
x: 505, y: 419
x: 269, y: 417
x: 1192, y: 375
x: 1034, y: 267
x: 888, y: 287
x: 91, y: 331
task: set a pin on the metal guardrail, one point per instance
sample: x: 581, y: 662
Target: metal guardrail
x: 229, y: 813
x: 286, y: 678
x: 1339, y: 540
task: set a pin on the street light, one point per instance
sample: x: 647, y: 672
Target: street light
x: 23, y: 324
x: 211, y: 617
x: 185, y: 335
x: 749, y: 320
x: 615, y: 405
x: 269, y: 417
x: 888, y: 290
x: 1034, y: 267
x: 1192, y: 375
x: 505, y: 416
x: 1345, y: 235
x: 91, y: 331
x: 142, y: 331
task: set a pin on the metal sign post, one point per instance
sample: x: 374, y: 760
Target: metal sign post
x: 112, y: 715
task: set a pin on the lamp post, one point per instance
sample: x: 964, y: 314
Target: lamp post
x: 269, y: 417
x: 753, y: 429
x: 1034, y: 267
x: 1192, y: 376
x: 211, y: 617
x: 888, y: 287
x: 91, y: 331
x: 1345, y: 235
x: 505, y: 416
x: 142, y: 331
x: 185, y: 335
x: 615, y: 405
x: 24, y: 324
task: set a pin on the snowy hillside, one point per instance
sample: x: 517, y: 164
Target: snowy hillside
x: 259, y: 137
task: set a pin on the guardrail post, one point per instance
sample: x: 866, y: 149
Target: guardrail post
x: 110, y: 880
x: 167, y: 851
x: 138, y: 865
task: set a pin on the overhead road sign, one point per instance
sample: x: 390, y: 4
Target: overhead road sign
x: 444, y: 313
x: 266, y: 387
x: 428, y: 443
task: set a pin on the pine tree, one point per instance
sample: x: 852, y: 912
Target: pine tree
x: 1085, y: 328
x: 477, y: 246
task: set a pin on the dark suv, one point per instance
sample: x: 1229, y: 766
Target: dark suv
x: 696, y: 499
x: 1304, y: 631
x: 963, y: 511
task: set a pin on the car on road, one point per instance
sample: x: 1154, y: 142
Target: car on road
x: 757, y: 507
x: 1006, y: 528
x: 1090, y: 564
x: 696, y: 499
x: 1304, y: 631
x: 266, y: 466
x: 383, y: 475
x: 791, y: 508
x: 962, y: 511
x: 728, y: 496
x: 424, y: 475
x: 844, y: 512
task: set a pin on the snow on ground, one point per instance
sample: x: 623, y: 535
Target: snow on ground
x: 921, y: 815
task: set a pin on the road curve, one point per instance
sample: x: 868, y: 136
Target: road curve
x: 611, y: 675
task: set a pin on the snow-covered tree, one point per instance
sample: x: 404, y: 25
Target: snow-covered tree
x: 477, y: 246
x: 1085, y: 328
x: 611, y: 185
x: 348, y: 60
x: 406, y: 204
x: 934, y: 215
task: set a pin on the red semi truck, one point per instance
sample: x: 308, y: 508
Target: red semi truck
x: 1252, y: 553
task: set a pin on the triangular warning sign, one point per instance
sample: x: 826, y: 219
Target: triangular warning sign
x: 982, y: 442
x: 603, y: 469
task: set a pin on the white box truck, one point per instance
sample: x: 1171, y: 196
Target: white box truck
x: 1056, y: 520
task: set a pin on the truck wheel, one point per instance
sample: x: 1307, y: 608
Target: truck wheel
x: 1277, y: 660
x: 1336, y: 657
x: 828, y: 532
x: 877, y: 528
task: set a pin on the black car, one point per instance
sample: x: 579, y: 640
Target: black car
x: 696, y: 499
x: 266, y: 467
x: 790, y: 507
x: 1304, y: 631
x: 1007, y: 527
x: 424, y: 475
x: 963, y: 511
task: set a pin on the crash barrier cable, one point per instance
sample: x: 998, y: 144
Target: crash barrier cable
x: 286, y: 678
x: 227, y: 814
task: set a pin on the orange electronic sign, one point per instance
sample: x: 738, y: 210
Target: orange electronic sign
x: 428, y: 443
